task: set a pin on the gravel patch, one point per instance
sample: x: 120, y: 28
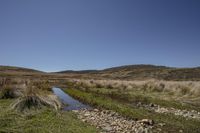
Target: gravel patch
x: 111, y: 122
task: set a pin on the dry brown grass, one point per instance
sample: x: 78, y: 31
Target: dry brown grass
x: 178, y: 88
x: 29, y: 93
x: 10, y: 88
x: 9, y: 92
x: 35, y: 98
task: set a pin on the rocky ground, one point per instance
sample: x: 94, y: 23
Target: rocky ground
x: 184, y: 113
x: 111, y: 122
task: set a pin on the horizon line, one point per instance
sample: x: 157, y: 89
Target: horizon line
x: 37, y: 69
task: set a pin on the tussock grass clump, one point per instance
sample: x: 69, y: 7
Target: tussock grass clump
x: 42, y: 85
x: 11, y: 87
x: 29, y: 93
x: 34, y: 99
x: 184, y: 92
x: 179, y: 88
x: 9, y: 92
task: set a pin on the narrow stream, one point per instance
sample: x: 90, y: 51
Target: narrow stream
x: 72, y: 104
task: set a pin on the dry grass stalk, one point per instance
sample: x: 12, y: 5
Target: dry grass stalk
x: 179, y: 88
x: 35, y: 98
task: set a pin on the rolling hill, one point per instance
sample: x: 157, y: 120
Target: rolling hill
x: 129, y: 72
x: 18, y: 71
x: 139, y: 72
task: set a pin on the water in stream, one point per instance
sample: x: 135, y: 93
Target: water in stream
x: 72, y: 104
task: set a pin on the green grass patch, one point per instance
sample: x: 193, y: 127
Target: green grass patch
x: 134, y: 97
x: 40, y: 121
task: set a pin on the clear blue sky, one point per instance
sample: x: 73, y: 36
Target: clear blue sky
x: 52, y: 35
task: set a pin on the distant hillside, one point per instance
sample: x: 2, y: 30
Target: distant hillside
x: 79, y: 72
x: 12, y: 70
x: 139, y: 72
x: 129, y: 72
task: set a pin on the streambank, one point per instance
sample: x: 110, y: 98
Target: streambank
x: 70, y: 102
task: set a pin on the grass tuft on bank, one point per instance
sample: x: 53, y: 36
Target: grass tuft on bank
x: 33, y: 98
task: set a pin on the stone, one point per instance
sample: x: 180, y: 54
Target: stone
x: 86, y: 114
x: 161, y: 124
x: 180, y: 131
x: 111, y: 122
x: 147, y: 121
x: 152, y: 105
x: 96, y: 110
x: 108, y: 128
x: 75, y: 111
